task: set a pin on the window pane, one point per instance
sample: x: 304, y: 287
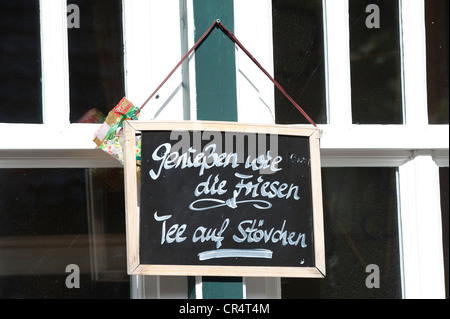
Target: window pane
x: 436, y: 19
x: 96, y: 58
x: 20, y: 62
x: 298, y: 43
x: 52, y: 218
x: 443, y: 172
x: 375, y: 63
x: 360, y: 210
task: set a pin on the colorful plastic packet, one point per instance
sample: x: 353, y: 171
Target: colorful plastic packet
x: 109, y: 136
x: 114, y: 121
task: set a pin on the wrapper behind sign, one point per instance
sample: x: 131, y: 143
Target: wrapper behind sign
x: 109, y: 137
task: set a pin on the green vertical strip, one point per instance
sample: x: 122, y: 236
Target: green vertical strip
x: 215, y: 62
x: 222, y: 288
x: 215, y: 67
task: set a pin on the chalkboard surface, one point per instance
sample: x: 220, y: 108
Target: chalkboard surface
x: 239, y: 198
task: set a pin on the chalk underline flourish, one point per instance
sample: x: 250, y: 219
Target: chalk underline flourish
x: 232, y: 203
x: 236, y: 253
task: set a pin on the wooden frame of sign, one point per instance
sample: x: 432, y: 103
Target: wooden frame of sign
x: 202, y: 211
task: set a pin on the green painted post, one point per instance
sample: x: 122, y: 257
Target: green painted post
x: 215, y: 63
x: 215, y: 67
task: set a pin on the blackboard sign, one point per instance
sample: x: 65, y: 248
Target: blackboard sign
x: 224, y: 199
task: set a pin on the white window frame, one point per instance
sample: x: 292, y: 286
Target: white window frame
x: 416, y: 148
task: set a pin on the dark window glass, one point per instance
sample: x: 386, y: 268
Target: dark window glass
x: 375, y: 62
x: 52, y: 218
x: 20, y: 62
x: 361, y: 229
x: 436, y: 20
x: 443, y: 172
x: 298, y: 43
x: 96, y: 58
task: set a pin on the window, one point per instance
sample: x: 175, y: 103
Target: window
x: 375, y: 76
x: 375, y: 63
x: 20, y: 62
x: 298, y: 44
x: 96, y: 59
x: 53, y: 218
x: 436, y: 23
x: 361, y: 229
x: 377, y: 94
